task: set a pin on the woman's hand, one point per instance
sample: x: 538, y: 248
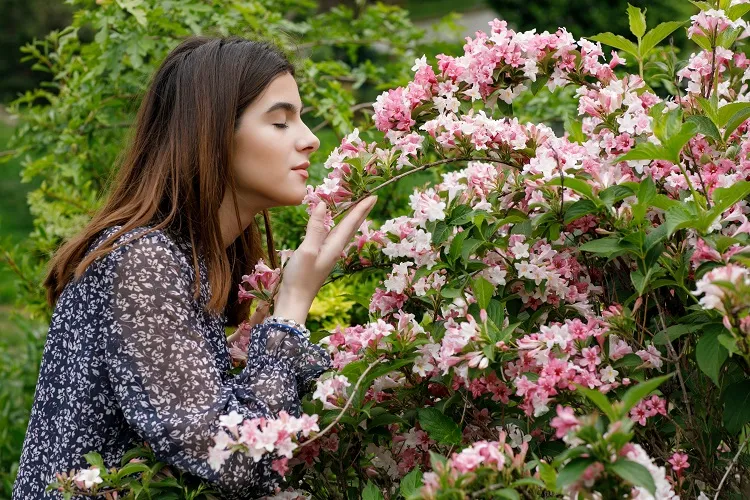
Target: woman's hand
x: 313, y: 261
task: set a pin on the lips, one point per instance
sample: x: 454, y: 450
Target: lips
x: 302, y: 169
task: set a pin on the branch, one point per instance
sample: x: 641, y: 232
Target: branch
x: 417, y: 169
x: 346, y: 406
x: 734, y: 461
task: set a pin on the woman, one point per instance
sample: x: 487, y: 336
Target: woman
x: 136, y: 349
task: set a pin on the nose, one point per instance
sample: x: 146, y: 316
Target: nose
x: 308, y: 141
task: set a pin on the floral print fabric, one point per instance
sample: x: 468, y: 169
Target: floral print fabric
x: 131, y: 356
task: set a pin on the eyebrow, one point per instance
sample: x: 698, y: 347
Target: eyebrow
x: 286, y: 106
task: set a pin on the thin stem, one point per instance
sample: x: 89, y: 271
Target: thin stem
x: 713, y: 64
x: 729, y: 469
x: 346, y: 406
x: 676, y: 360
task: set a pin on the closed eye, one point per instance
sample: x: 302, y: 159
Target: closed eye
x: 281, y: 125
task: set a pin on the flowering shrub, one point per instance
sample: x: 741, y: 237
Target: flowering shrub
x: 563, y: 314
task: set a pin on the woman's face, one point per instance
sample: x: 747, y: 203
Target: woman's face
x: 271, y: 140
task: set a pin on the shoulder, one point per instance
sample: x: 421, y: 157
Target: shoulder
x: 143, y: 243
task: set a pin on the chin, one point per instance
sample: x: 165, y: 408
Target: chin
x: 293, y: 200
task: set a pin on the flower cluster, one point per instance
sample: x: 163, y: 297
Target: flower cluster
x: 260, y: 284
x: 257, y: 437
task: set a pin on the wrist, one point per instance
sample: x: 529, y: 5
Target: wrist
x: 280, y: 320
x: 292, y: 306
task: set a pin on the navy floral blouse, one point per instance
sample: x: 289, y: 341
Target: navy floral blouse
x: 130, y: 357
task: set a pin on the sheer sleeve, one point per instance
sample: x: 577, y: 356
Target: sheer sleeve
x: 168, y: 384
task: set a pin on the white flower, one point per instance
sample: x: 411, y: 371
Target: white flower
x: 419, y: 63
x: 323, y: 390
x: 230, y: 421
x: 89, y: 477
x: 517, y: 436
x: 608, y: 374
x: 217, y: 456
x: 520, y: 250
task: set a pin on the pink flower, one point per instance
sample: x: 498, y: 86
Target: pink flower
x: 651, y: 357
x: 281, y: 466
x: 590, y: 357
x: 262, y: 282
x: 393, y: 111
x: 564, y: 422
x: 679, y: 462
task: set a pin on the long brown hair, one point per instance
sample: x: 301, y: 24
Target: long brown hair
x: 178, y: 165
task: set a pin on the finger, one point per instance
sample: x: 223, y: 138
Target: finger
x: 260, y: 314
x: 316, y: 231
x: 344, y: 231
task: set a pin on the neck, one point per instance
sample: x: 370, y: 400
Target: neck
x: 228, y: 218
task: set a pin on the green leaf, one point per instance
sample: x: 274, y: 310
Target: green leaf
x: 548, y: 475
x: 637, y: 20
x: 711, y: 355
x: 736, y: 406
x: 675, y: 143
x: 371, y: 492
x: 495, y: 312
x: 678, y: 217
x: 456, y: 244
x: 726, y: 112
x: 600, y: 400
x: 673, y: 333
x: 735, y: 121
x: 439, y: 426
x: 579, y: 209
x: 645, y: 151
x: 441, y: 233
x: 539, y: 84
x: 615, y: 193
x: 640, y: 282
x: 506, y: 493
x: 603, y: 246
x: 579, y: 186
x: 634, y: 473
x: 640, y: 391
x: 461, y: 215
x: 628, y: 361
x: 655, y: 236
x: 572, y: 471
x: 656, y: 35
x: 527, y: 481
x: 646, y: 190
x: 616, y: 41
x: 710, y: 110
x: 470, y: 247
x: 95, y: 459
x: 483, y: 291
x: 411, y: 482
x: 737, y: 11
x: 705, y: 126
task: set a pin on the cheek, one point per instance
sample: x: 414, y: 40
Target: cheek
x: 252, y: 155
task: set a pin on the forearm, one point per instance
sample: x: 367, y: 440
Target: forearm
x: 292, y: 305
